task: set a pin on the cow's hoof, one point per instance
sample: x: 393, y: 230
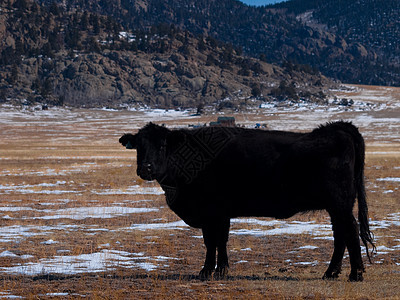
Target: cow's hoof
x: 205, y: 274
x: 356, y: 276
x: 221, y: 273
x: 330, y: 275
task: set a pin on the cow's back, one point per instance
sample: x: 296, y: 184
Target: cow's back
x: 249, y: 172
x: 240, y: 178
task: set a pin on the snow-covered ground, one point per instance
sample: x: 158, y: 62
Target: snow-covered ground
x: 102, y: 260
x: 376, y: 112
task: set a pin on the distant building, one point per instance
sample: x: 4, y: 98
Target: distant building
x: 224, y: 121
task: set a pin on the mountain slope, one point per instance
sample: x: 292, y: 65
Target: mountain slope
x: 62, y: 55
x: 373, y: 23
x: 323, y: 34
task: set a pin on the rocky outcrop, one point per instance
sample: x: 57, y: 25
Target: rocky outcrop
x: 94, y: 62
x: 162, y: 80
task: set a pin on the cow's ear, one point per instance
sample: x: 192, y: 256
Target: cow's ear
x: 128, y: 140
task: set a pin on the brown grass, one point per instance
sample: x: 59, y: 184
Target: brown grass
x: 33, y: 155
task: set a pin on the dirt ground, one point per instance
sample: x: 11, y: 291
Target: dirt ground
x: 77, y: 222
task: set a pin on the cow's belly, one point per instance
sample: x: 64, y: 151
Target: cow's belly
x: 238, y: 194
x: 198, y: 206
x: 279, y: 207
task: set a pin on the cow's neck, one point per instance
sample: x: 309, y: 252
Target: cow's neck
x: 167, y: 181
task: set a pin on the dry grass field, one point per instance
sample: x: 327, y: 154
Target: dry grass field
x: 77, y: 222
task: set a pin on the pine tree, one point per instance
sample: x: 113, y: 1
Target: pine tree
x: 22, y: 5
x: 14, y: 75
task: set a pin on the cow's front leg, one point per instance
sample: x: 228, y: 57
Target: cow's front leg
x: 210, y: 240
x: 222, y: 262
x: 215, y: 236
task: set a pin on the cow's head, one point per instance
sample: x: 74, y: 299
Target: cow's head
x: 150, y: 143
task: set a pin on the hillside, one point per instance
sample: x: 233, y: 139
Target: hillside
x: 354, y: 41
x: 61, y: 55
x: 373, y: 23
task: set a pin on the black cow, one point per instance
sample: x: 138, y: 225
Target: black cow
x: 213, y: 174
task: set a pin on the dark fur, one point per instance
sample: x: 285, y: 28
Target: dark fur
x: 213, y: 174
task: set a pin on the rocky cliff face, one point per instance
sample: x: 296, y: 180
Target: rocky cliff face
x: 167, y: 80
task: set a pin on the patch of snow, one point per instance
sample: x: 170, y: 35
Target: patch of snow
x: 253, y: 221
x: 33, y: 189
x: 307, y: 263
x: 394, y: 179
x: 180, y: 225
x: 391, y: 220
x: 388, y: 191
x: 310, y: 247
x: 246, y: 249
x: 16, y: 233
x: 294, y: 227
x: 133, y: 190
x: 8, y: 254
x: 383, y: 250
x: 80, y: 213
x: 7, y: 295
x: 241, y: 262
x: 105, y: 260
x: 15, y: 208
x: 49, y: 242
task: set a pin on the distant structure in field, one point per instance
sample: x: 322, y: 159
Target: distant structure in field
x: 224, y: 121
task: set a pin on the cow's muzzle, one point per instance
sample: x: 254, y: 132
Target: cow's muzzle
x: 145, y: 171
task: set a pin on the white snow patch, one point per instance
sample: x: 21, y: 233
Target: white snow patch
x: 388, y: 191
x: 295, y: 227
x: 394, y: 179
x: 34, y: 189
x: 133, y: 190
x: 49, y: 242
x: 383, y: 250
x: 105, y: 260
x: 391, y: 220
x: 8, y: 254
x: 80, y: 213
x: 180, y: 225
x: 15, y: 233
x: 241, y: 262
x: 253, y: 221
x: 310, y: 247
x: 307, y: 263
x: 15, y: 208
x: 7, y: 295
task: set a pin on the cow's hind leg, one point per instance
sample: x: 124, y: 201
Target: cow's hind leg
x: 215, y: 234
x: 346, y: 233
x: 353, y: 246
x: 335, y: 266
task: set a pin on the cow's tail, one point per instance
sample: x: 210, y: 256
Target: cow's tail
x: 366, y: 235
